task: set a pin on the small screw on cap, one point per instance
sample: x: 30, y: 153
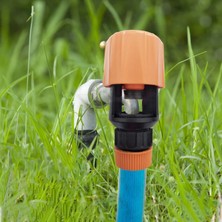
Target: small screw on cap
x: 102, y: 44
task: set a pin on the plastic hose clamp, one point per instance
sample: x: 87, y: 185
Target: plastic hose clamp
x: 133, y: 160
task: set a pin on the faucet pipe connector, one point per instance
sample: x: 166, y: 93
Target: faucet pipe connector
x: 91, y: 95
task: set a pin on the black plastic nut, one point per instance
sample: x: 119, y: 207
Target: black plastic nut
x: 134, y: 141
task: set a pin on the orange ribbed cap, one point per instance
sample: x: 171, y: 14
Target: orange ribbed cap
x: 133, y: 160
x: 134, y: 57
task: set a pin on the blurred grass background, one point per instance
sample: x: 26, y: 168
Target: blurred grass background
x: 47, y: 51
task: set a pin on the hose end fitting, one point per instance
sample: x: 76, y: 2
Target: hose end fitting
x: 133, y: 160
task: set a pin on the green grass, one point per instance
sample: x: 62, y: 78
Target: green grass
x: 44, y: 177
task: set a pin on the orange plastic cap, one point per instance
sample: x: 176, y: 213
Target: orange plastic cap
x: 133, y: 160
x: 134, y: 57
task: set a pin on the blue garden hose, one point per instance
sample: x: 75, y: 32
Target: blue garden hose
x: 131, y: 195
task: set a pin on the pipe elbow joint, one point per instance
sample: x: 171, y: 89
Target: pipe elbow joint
x: 84, y: 115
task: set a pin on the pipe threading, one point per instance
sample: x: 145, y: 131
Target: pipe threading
x: 133, y: 160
